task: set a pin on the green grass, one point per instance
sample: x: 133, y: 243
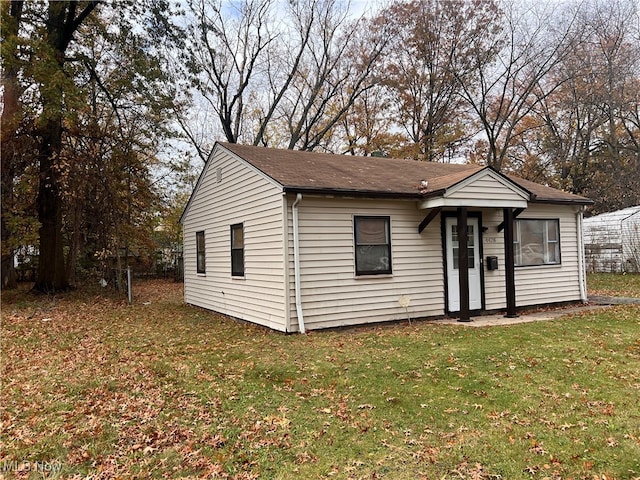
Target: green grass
x: 161, y: 390
x: 614, y: 284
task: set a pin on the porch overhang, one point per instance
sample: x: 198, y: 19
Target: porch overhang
x: 485, y: 188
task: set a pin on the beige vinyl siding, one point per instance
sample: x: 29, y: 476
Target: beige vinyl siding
x: 493, y: 244
x: 333, y: 296
x: 551, y: 283
x: 243, y: 196
x: 485, y: 187
x: 538, y: 284
x: 535, y: 285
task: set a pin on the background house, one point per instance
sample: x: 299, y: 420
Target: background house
x: 612, y: 241
x: 300, y: 240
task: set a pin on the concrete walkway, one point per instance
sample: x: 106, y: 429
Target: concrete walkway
x: 613, y: 300
x: 595, y: 303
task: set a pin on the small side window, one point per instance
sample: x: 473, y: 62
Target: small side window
x: 200, y: 253
x: 373, y: 245
x: 237, y: 250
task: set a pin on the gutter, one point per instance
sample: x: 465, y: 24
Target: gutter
x: 296, y: 263
x: 582, y: 276
x: 347, y: 192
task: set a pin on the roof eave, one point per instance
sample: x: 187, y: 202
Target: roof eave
x: 578, y: 201
x: 345, y: 192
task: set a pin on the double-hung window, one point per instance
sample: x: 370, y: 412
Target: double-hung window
x: 200, y: 253
x: 373, y: 245
x: 536, y: 242
x: 237, y: 250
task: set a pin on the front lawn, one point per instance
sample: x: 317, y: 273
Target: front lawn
x: 614, y: 284
x: 93, y: 387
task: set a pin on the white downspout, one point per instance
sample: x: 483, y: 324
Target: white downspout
x: 581, y: 265
x: 296, y: 263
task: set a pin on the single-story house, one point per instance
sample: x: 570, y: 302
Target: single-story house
x: 612, y: 241
x: 300, y: 240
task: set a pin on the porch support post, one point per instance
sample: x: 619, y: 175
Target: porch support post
x: 509, y: 262
x: 463, y: 264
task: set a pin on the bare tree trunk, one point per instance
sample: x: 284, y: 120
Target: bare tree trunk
x: 51, y: 270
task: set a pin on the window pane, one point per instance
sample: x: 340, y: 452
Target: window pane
x: 237, y: 262
x: 552, y: 231
x: 552, y: 253
x: 536, y: 242
x: 531, y: 242
x: 471, y: 260
x: 237, y: 236
x: 237, y: 250
x: 371, y: 231
x: 455, y: 240
x: 372, y: 258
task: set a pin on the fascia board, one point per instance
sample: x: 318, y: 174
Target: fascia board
x: 444, y: 202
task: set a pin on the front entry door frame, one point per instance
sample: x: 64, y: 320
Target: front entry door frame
x: 475, y: 274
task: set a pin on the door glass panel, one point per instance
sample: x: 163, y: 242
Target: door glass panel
x: 471, y: 262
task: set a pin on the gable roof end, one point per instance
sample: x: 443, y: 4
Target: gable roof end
x: 218, y: 146
x: 198, y: 182
x: 484, y: 188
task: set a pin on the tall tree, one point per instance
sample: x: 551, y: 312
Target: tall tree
x: 63, y: 19
x: 9, y: 124
x: 337, y: 68
x: 368, y: 128
x: 115, y: 138
x: 273, y: 74
x: 615, y: 26
x: 502, y: 92
x: 224, y: 51
x: 92, y: 102
x: 584, y: 134
x: 433, y: 45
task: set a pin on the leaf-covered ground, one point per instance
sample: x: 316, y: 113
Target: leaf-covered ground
x: 614, y: 284
x: 95, y: 388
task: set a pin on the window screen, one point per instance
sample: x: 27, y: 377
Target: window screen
x: 373, y: 245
